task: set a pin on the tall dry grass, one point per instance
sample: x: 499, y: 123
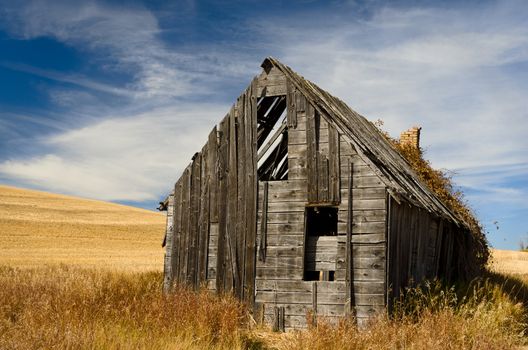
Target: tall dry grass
x: 479, y: 316
x: 68, y: 307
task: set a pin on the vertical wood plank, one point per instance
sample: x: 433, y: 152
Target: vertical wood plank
x: 388, y: 254
x: 305, y: 243
x: 264, y: 224
x: 276, y: 316
x: 168, y: 271
x: 300, y: 102
x: 281, y: 318
x: 251, y: 195
x: 176, y: 249
x: 334, y: 166
x: 290, y: 103
x: 449, y: 265
x: 322, y: 175
x: 438, y: 250
x: 213, y: 173
x: 240, y: 115
x: 349, y: 260
x: 311, y: 153
x: 314, y: 303
x: 193, y: 224
x: 232, y: 197
x: 212, y: 189
x: 186, y: 211
x: 223, y: 157
x: 203, y: 220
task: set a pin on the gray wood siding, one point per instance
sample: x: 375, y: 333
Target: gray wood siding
x: 368, y: 233
x: 423, y: 246
x: 169, y: 244
x: 214, y: 211
x: 280, y: 277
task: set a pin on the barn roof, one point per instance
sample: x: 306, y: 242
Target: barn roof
x: 401, y: 180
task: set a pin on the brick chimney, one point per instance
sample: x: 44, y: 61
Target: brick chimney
x: 411, y: 137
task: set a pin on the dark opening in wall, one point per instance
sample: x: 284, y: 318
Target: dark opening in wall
x: 321, y: 221
x: 319, y: 275
x: 272, y: 136
x: 320, y: 250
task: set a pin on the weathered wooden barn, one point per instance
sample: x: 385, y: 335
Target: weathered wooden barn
x: 298, y: 205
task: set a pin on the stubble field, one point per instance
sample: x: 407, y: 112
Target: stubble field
x: 38, y: 228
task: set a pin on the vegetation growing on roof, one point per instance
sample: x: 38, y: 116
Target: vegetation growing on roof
x: 441, y: 184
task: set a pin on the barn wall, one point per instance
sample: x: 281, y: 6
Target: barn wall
x: 319, y: 162
x: 213, y: 239
x: 369, y: 236
x: 422, y: 246
x: 169, y: 236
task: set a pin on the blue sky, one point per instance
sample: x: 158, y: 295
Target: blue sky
x: 109, y: 100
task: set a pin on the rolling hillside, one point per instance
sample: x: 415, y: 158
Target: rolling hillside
x: 38, y: 228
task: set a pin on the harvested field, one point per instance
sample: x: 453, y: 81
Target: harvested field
x: 39, y: 228
x: 509, y: 261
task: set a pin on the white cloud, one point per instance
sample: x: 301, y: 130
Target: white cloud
x: 136, y: 158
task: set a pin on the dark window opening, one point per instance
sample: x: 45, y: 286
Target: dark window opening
x: 312, y: 275
x: 319, y: 276
x: 320, y: 245
x: 272, y: 139
x: 321, y: 221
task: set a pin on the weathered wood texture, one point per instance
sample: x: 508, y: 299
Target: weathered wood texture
x: 363, y: 212
x: 215, y: 208
x: 280, y: 275
x: 421, y: 246
x: 322, y: 156
x: 168, y: 243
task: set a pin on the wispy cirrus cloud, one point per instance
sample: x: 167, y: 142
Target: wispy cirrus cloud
x: 75, y: 79
x: 120, y: 40
x: 132, y: 158
x: 123, y: 38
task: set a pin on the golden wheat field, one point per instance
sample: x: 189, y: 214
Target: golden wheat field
x: 39, y: 228
x: 84, y: 274
x: 509, y: 261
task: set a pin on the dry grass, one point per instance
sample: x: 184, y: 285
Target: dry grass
x: 67, y: 307
x: 39, y: 228
x: 483, y: 316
